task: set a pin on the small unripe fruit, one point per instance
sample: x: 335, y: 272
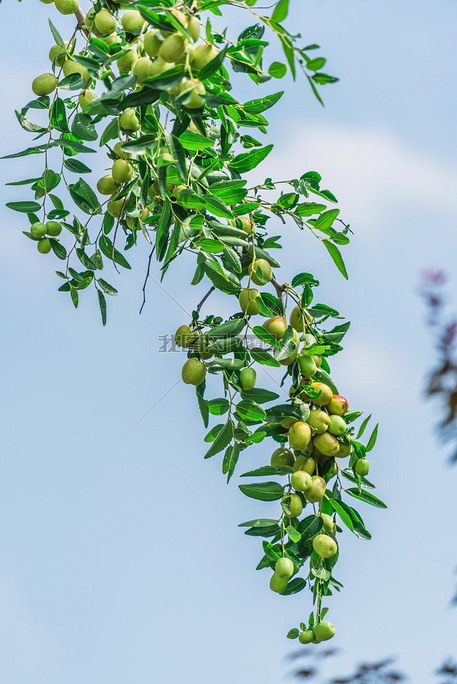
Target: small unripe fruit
x: 122, y: 171
x: 203, y: 55
x: 38, y: 229
x: 86, y: 98
x: 119, y: 150
x: 291, y: 358
x: 53, y: 228
x: 307, y: 365
x: 327, y: 444
x: 143, y: 69
x: 185, y: 336
x: 113, y: 39
x: 282, y: 457
x: 306, y: 637
x: 345, y: 450
x: 193, y: 27
x: 105, y: 22
x: 305, y: 463
x: 248, y: 377
x: 301, y: 481
x: 57, y: 52
x: 173, y: 48
x: 299, y: 435
x: 325, y: 393
x: 288, y: 422
x: 66, y: 6
x: 245, y: 222
x: 107, y: 185
x: 126, y: 61
x: 44, y: 84
x: 337, y: 425
x: 128, y: 120
x: 319, y: 420
x: 338, y: 405
x: 152, y: 43
x: 328, y: 523
x: 159, y: 66
x: 116, y: 208
x: 276, y: 326
x: 278, y: 584
x: 317, y: 490
x: 193, y: 89
x: 284, y: 568
x: 295, y: 505
x: 132, y: 20
x: 298, y: 319
x: 325, y: 546
x: 70, y: 66
x: 362, y: 467
x: 193, y: 372
x: 44, y: 246
x: 260, y: 272
x: 247, y: 300
x: 324, y: 631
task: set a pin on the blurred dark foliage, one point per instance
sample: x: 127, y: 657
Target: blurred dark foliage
x: 442, y: 379
x: 382, y: 672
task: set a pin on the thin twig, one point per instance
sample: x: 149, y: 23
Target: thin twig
x: 81, y: 17
x: 280, y: 289
x: 146, y: 278
x: 200, y: 304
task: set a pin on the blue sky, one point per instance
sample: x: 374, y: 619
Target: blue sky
x: 120, y: 557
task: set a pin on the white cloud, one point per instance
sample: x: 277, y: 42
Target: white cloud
x: 366, y: 168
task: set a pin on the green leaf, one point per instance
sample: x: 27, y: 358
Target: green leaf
x: 56, y: 35
x: 363, y: 427
x: 336, y: 256
x: 24, y: 207
x: 76, y: 166
x: 106, y: 247
x: 261, y: 396
x: 293, y: 534
x: 58, y: 116
x: 83, y: 128
x: 259, y: 522
x: 373, y: 437
x: 263, y: 491
x: 309, y: 527
x: 304, y: 278
x: 194, y: 141
x: 351, y: 519
x: 293, y: 633
x: 262, y: 104
x: 277, y: 70
x: 249, y: 160
x: 107, y: 288
x: 270, y: 550
x: 84, y: 197
x: 218, y: 406
x: 281, y: 11
x: 265, y: 336
x: 102, y: 305
x: 58, y: 249
x: 264, y: 358
x: 250, y: 411
x: 229, y: 328
x: 230, y: 460
x: 268, y: 470
x: 222, y: 440
x: 368, y: 497
x: 294, y: 586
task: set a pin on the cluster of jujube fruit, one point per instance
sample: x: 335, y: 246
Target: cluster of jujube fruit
x: 145, y: 53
